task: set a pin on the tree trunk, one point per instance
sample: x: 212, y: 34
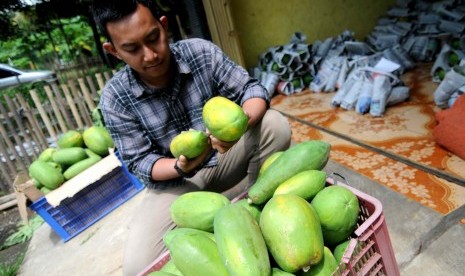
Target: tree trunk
x: 49, y: 35
x: 98, y: 44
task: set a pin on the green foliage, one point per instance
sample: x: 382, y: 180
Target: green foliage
x: 24, y: 232
x: 59, y: 41
x: 97, y: 117
x: 12, y: 269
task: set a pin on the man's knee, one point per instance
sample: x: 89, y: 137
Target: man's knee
x: 277, y: 127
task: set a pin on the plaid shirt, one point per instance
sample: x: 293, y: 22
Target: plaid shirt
x: 143, y: 121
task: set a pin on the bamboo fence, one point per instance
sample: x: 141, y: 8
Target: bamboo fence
x: 27, y: 127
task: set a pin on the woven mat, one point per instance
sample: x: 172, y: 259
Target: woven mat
x: 396, y: 150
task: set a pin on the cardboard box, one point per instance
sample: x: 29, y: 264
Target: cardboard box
x: 25, y: 191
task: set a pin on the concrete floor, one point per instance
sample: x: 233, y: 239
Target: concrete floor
x: 424, y: 241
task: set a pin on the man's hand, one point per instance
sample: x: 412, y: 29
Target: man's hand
x: 220, y: 146
x: 189, y: 165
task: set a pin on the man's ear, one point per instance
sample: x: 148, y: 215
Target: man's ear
x: 164, y: 22
x: 108, y: 46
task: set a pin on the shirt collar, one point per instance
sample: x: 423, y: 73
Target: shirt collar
x: 136, y: 85
x: 183, y: 66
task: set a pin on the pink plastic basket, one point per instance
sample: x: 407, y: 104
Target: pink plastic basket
x: 369, y: 252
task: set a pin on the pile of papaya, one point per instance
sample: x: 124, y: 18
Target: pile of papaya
x: 75, y: 152
x: 290, y: 222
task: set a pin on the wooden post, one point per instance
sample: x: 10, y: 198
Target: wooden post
x: 100, y: 81
x: 22, y: 129
x: 18, y: 141
x: 93, y: 90
x: 87, y: 96
x: 62, y: 105
x: 3, y: 169
x: 44, y: 116
x: 33, y: 121
x: 5, y: 153
x: 107, y: 76
x: 72, y: 106
x: 29, y: 129
x: 55, y: 109
x: 82, y: 107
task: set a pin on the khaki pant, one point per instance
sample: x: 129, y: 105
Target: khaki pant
x: 237, y: 169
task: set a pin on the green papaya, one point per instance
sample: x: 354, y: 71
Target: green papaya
x: 278, y: 272
x: 69, y: 156
x: 338, y: 209
x: 162, y: 273
x: 292, y: 231
x: 305, y: 184
x: 72, y: 138
x: 82, y: 165
x: 46, y: 174
x: 45, y: 190
x: 98, y: 139
x: 184, y: 231
x: 197, y: 209
x: 91, y: 154
x: 195, y: 254
x: 339, y: 250
x: 170, y: 267
x: 269, y: 161
x: 56, y: 166
x: 37, y: 184
x: 254, y: 210
x: 325, y: 267
x: 309, y: 155
x: 189, y: 143
x: 46, y: 155
x: 224, y: 119
x: 240, y: 242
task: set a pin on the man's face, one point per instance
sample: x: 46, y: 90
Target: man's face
x: 141, y: 41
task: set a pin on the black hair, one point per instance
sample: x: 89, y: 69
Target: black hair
x: 105, y: 11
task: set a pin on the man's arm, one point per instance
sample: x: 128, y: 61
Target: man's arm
x: 163, y: 169
x: 255, y: 108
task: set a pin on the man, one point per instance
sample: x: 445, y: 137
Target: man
x: 159, y: 93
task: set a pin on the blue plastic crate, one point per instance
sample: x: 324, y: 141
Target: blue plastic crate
x: 73, y: 215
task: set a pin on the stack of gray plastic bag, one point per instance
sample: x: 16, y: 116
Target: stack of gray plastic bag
x: 334, y: 64
x: 355, y: 71
x: 288, y: 66
x: 370, y: 90
x: 451, y: 87
x: 420, y: 27
x: 428, y: 31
